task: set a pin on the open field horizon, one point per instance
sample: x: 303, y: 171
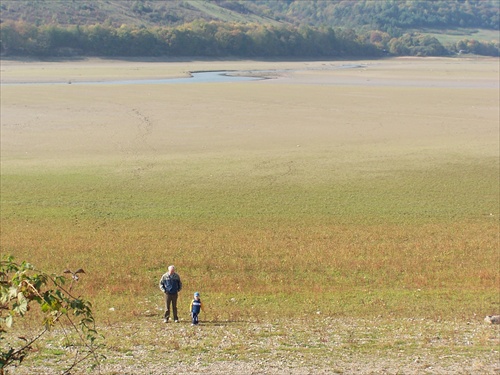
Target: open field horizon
x: 332, y: 191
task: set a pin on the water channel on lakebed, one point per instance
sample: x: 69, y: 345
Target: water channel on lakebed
x: 195, y: 77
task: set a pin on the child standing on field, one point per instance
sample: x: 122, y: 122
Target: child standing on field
x: 196, y: 307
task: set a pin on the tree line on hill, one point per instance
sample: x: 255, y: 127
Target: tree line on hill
x: 222, y: 39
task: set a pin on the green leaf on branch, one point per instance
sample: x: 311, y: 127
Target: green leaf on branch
x: 8, y: 321
x: 45, y: 307
x: 21, y: 306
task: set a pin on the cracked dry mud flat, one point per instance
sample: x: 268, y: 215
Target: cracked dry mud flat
x: 316, y: 346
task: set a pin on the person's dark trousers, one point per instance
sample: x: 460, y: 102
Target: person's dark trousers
x: 171, y: 300
x: 195, y: 318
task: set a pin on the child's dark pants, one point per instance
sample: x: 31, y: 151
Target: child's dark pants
x: 195, y: 318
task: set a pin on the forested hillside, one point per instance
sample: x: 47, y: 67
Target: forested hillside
x: 264, y: 28
x: 389, y: 14
x: 373, y: 14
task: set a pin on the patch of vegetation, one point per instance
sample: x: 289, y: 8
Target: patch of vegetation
x: 241, y: 28
x: 389, y: 245
x: 21, y: 287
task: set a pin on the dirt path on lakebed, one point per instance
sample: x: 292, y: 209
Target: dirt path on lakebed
x: 320, y: 346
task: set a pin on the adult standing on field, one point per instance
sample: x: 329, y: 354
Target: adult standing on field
x: 171, y: 285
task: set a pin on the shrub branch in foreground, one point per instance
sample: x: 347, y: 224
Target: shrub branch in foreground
x: 21, y: 287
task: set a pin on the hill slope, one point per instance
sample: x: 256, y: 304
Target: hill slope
x: 118, y: 12
x: 264, y: 28
x: 382, y: 15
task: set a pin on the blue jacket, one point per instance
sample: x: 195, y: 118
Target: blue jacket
x: 196, y: 306
x: 170, y: 284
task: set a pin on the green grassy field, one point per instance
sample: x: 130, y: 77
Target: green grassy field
x: 453, y: 36
x: 255, y: 234
x: 276, y: 200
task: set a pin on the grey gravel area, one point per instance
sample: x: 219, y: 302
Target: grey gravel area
x: 320, y: 346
